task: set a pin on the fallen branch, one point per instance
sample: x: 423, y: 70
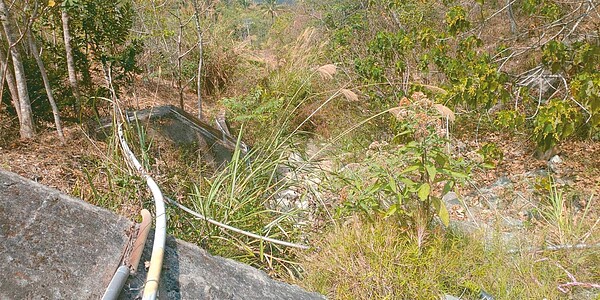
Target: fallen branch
x: 563, y: 287
x: 556, y: 248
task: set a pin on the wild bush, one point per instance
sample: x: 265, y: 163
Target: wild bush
x: 396, y: 57
x: 407, y: 182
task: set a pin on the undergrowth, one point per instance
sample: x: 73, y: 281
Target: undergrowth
x: 390, y: 238
x: 379, y: 260
x: 243, y: 195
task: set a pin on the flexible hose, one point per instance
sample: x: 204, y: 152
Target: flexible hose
x: 160, y: 232
x: 225, y: 226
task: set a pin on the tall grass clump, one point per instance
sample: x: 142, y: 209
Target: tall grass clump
x: 246, y: 193
x: 566, y: 222
x: 243, y: 195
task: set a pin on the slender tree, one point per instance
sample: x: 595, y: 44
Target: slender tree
x: 7, y: 74
x: 180, y: 55
x: 511, y: 17
x: 26, y: 128
x: 200, y: 57
x: 271, y: 7
x: 47, y: 86
x: 69, y: 54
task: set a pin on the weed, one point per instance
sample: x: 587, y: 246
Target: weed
x: 407, y: 182
x: 567, y: 225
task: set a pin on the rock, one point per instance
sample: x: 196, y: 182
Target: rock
x: 492, y: 193
x: 545, y: 155
x: 192, y: 273
x: 512, y: 222
x: 451, y: 199
x: 53, y: 246
x: 536, y: 173
x: 501, y: 182
x: 295, y: 158
x: 171, y: 124
x: 300, y: 182
x: 490, y: 199
x: 555, y: 163
x: 288, y: 200
x: 469, y: 227
x: 485, y: 296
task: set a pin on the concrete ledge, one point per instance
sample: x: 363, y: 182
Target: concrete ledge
x: 53, y: 246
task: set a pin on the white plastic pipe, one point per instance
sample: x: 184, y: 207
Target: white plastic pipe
x: 116, y: 284
x: 120, y: 277
x: 225, y: 226
x: 160, y: 231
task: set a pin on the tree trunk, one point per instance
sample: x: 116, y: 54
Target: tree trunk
x: 107, y: 70
x: 200, y: 58
x: 511, y: 18
x: 70, y: 60
x: 47, y: 86
x: 25, y: 122
x: 7, y: 74
x: 179, y: 60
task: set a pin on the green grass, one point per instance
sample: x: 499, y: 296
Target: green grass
x: 378, y: 260
x: 242, y: 195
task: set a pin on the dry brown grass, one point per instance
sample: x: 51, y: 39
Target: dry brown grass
x: 327, y: 71
x: 349, y: 95
x: 65, y: 168
x: 85, y: 167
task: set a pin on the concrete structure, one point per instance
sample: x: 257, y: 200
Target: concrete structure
x: 53, y: 246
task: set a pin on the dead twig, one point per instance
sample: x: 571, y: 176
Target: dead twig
x: 564, y: 287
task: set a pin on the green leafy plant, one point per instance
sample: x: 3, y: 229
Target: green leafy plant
x: 456, y: 19
x: 407, y: 182
x: 586, y: 88
x: 419, y: 187
x: 555, y: 55
x: 555, y: 122
x: 258, y: 106
x: 545, y: 8
x: 510, y: 119
x: 492, y: 155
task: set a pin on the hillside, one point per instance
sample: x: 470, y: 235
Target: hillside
x: 422, y: 149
